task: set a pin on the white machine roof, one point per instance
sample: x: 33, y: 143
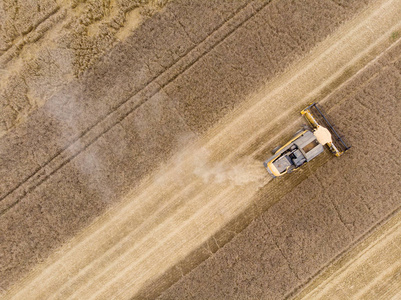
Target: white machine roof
x: 323, y: 135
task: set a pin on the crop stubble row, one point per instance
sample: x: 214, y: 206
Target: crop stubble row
x: 328, y: 212
x: 53, y: 215
x: 305, y: 82
x: 44, y: 45
x: 371, y: 270
x: 48, y: 211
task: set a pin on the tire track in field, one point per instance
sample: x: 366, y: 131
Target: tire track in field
x: 331, y: 102
x: 369, y: 271
x: 107, y: 122
x: 180, y: 231
x: 36, y: 31
x: 316, y: 95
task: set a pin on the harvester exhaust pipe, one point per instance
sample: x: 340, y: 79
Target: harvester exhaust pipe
x: 324, y: 133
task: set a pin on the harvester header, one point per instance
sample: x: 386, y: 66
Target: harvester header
x: 326, y: 134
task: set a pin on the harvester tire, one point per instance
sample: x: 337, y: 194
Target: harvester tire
x: 275, y: 149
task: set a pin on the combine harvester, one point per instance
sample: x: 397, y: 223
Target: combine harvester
x: 306, y: 144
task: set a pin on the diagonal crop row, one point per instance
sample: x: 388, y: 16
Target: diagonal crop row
x: 129, y: 105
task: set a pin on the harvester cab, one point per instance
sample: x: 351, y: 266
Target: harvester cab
x: 306, y: 144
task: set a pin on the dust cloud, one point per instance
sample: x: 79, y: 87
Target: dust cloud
x: 243, y: 171
x: 201, y: 164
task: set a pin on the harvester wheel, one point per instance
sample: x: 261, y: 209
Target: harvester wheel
x: 306, y: 127
x: 275, y: 149
x: 298, y: 132
x: 290, y: 169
